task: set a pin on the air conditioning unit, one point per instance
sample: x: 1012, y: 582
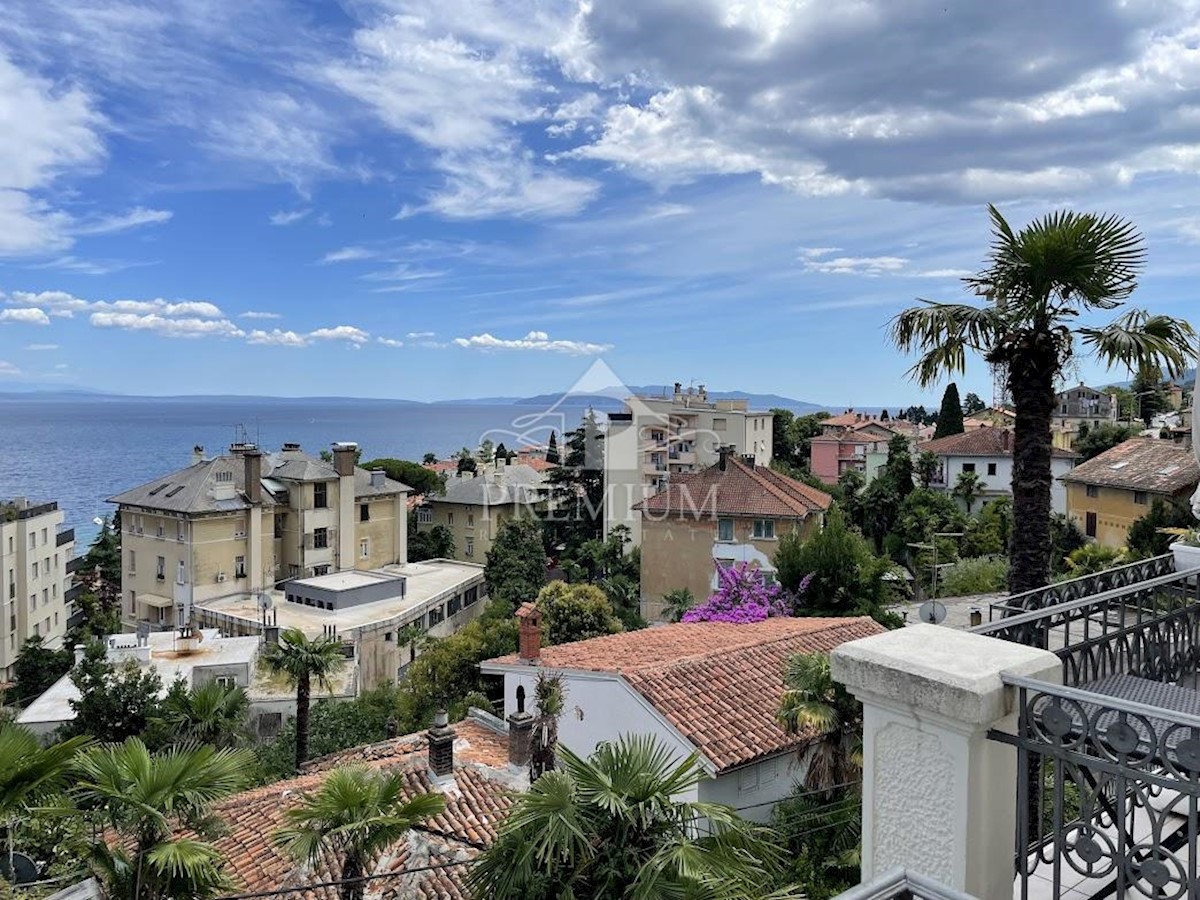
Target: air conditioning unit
x: 220, y: 577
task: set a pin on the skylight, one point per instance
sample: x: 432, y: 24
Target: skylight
x: 1120, y: 465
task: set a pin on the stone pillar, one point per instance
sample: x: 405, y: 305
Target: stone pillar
x: 400, y: 545
x: 939, y: 798
x: 520, y: 739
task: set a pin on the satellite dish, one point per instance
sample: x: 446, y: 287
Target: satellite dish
x: 264, y: 600
x: 932, y: 612
x: 22, y: 871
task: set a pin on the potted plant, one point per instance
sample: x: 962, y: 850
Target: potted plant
x: 1186, y: 548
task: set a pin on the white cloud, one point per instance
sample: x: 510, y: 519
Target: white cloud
x: 814, y: 259
x: 277, y: 338
x: 284, y: 217
x: 347, y: 254
x: 135, y: 218
x: 534, y: 340
x: 63, y: 305
x: 166, y: 327
x: 418, y: 335
x: 8, y: 370
x: 25, y: 315
x: 38, y: 347
x: 505, y: 182
x: 390, y: 342
x: 350, y: 333
x: 256, y: 314
x: 61, y: 366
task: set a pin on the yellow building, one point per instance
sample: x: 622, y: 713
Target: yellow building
x: 1107, y: 494
x: 732, y: 512
x: 243, y: 522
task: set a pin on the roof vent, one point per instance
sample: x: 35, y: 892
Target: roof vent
x: 378, y: 477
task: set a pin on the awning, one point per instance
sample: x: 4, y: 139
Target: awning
x: 156, y: 601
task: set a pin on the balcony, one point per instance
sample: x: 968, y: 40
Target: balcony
x: 74, y: 565
x: 64, y: 537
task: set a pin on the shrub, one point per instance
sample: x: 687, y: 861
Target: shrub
x: 978, y: 575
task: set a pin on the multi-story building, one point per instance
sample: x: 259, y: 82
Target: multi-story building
x: 36, y: 562
x: 245, y: 521
x: 656, y: 438
x: 1108, y: 493
x: 476, y: 504
x: 732, y: 512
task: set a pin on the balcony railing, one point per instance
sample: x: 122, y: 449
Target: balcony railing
x: 1087, y: 586
x: 903, y: 885
x: 64, y: 537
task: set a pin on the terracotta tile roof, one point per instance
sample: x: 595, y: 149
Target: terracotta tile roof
x: 475, y: 806
x: 739, y: 490
x: 1141, y: 464
x: 986, y: 441
x: 717, y: 683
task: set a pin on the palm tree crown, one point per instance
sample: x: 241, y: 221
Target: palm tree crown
x: 27, y: 769
x: 300, y: 660
x: 613, y: 825
x: 813, y: 701
x: 1039, y: 282
x: 356, y: 813
x: 209, y: 714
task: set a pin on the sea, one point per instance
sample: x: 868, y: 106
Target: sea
x: 82, y: 450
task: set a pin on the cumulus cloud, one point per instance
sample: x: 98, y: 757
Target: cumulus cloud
x: 277, y: 338
x: 817, y: 259
x: 390, y: 342
x: 135, y: 218
x: 165, y: 326
x: 534, y: 340
x: 63, y: 305
x: 25, y: 315
x: 286, y: 217
x: 256, y: 314
x: 349, y: 333
x: 8, y: 370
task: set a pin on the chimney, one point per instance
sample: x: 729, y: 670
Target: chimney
x: 703, y: 394
x: 529, y: 634
x: 441, y: 746
x: 197, y: 454
x: 378, y: 476
x: 520, y: 735
x: 343, y: 457
x: 748, y: 459
x: 253, y: 463
x: 1006, y: 440
x: 723, y: 458
x: 678, y: 391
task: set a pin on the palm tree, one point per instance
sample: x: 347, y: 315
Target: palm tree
x: 613, y: 825
x: 967, y: 487
x: 550, y: 694
x: 28, y: 771
x: 300, y: 660
x: 1038, y: 282
x: 928, y: 465
x: 813, y: 702
x: 355, y: 813
x: 159, y: 806
x: 676, y: 603
x: 209, y: 714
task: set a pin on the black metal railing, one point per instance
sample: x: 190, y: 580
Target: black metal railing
x: 1150, y: 628
x: 1085, y: 586
x: 64, y: 537
x: 1107, y: 795
x: 903, y: 885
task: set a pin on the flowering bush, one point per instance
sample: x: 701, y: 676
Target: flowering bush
x: 742, y: 596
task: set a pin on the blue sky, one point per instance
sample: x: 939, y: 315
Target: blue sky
x: 446, y: 198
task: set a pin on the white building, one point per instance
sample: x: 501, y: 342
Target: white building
x: 988, y: 452
x: 656, y: 437
x: 711, y: 687
x: 36, y: 557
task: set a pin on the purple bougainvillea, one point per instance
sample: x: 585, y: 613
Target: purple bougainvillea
x: 742, y: 596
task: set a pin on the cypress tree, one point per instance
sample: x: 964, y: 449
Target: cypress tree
x: 950, y: 416
x: 552, y: 450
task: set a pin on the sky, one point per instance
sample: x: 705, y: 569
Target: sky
x: 431, y: 199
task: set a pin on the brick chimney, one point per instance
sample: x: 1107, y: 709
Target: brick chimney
x: 520, y: 734
x: 343, y: 457
x: 1006, y: 440
x: 529, y: 634
x: 441, y: 746
x: 253, y: 463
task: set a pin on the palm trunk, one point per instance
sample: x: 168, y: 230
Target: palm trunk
x: 352, y: 886
x: 1031, y: 380
x: 302, y: 700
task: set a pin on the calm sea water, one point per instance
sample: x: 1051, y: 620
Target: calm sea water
x: 81, y: 451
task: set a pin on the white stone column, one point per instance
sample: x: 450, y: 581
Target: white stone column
x: 939, y: 798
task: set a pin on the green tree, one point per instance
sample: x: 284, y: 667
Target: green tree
x: 429, y: 458
x: 968, y: 487
x: 487, y: 450
x: 950, y: 414
x: 852, y: 483
x: 301, y: 660
x: 516, y: 563
x: 29, y: 771
x: 822, y: 840
x: 1147, y: 388
x: 211, y: 713
x: 899, y: 467
x: 1146, y: 538
x: 1092, y: 558
x: 467, y: 464
x: 1038, y: 283
x: 1065, y: 539
x: 576, y: 514
x: 1104, y: 436
x: 550, y: 695
x: 423, y: 481
x: 116, y: 700
x: 575, y: 612
x: 676, y: 603
x: 927, y: 468
x: 429, y: 543
x: 552, y: 456
x: 972, y: 404
x: 354, y: 815
x: 813, y: 703
x: 613, y: 825
x: 37, y: 667
x: 150, y: 802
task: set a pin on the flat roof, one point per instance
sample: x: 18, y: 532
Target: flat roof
x: 426, y: 581
x: 348, y: 580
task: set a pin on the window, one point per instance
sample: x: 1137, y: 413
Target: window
x: 1093, y: 491
x: 54, y: 591
x: 160, y: 568
x: 724, y: 529
x: 133, y: 603
x: 454, y: 604
x: 991, y: 468
x: 718, y: 424
x: 364, y: 548
x: 45, y: 539
x: 1090, y: 525
x: 32, y: 602
x: 46, y: 597
x: 748, y: 779
x: 179, y: 531
x: 32, y: 540
x: 132, y: 563
x: 180, y: 573
x: 280, y: 523
x: 159, y: 530
x: 239, y: 567
x: 320, y: 495
x: 1140, y: 498
x: 364, y: 512
x: 968, y: 467
x: 320, y: 570
x: 449, y: 518
x: 470, y: 547
x: 35, y: 569
x: 436, y: 615
x: 764, y: 529
x: 471, y: 596
x: 470, y: 520
x: 320, y: 538
x: 424, y: 515
x: 229, y: 682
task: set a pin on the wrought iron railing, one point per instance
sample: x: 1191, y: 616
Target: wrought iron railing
x: 903, y: 885
x: 1108, y: 795
x: 1150, y: 628
x: 1086, y: 586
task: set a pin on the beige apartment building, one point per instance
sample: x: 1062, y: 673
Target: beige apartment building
x: 657, y: 438
x: 36, y: 560
x: 244, y: 522
x: 476, y: 505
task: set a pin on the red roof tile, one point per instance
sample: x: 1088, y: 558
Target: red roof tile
x: 1141, y: 464
x: 987, y: 441
x: 738, y: 490
x: 717, y: 683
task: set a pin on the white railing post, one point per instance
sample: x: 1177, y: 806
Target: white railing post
x: 939, y: 798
